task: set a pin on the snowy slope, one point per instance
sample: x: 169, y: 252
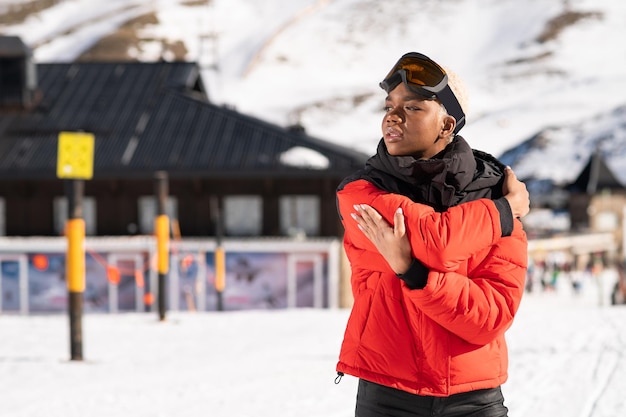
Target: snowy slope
x: 529, y: 65
x: 560, y: 153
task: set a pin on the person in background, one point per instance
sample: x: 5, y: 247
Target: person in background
x: 438, y: 257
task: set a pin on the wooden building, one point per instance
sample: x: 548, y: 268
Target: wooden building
x: 264, y: 180
x: 598, y: 200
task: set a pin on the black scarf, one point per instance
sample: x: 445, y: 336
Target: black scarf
x: 455, y: 175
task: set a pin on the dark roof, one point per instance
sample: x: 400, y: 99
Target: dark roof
x: 596, y: 176
x: 148, y: 117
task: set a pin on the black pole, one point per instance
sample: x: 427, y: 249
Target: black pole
x: 75, y: 265
x: 220, y: 256
x: 162, y: 235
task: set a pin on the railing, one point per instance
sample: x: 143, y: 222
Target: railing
x: 265, y: 273
x: 120, y: 274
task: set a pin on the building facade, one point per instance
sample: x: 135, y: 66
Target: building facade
x: 227, y: 172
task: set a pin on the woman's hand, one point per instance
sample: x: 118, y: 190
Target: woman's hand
x: 516, y: 193
x: 392, y: 242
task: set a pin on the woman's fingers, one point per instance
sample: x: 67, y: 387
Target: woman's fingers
x: 370, y: 221
x: 399, y: 228
x: 390, y: 241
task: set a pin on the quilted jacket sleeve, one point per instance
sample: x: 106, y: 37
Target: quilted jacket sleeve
x: 438, y: 240
x: 480, y: 308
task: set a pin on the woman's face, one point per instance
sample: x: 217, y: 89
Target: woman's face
x: 414, y: 126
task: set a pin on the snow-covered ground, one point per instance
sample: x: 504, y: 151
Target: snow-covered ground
x: 566, y: 359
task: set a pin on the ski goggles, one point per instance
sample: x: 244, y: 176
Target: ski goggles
x: 426, y: 78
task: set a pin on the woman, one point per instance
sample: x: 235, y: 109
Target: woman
x: 435, y: 292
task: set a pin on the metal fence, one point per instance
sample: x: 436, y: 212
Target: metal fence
x: 121, y: 274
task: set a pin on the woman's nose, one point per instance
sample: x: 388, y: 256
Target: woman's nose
x: 393, y: 116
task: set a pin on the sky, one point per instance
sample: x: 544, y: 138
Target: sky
x: 566, y: 354
x: 319, y: 62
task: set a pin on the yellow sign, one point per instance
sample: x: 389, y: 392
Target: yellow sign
x: 75, y: 155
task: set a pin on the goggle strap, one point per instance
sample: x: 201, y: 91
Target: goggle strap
x: 453, y: 107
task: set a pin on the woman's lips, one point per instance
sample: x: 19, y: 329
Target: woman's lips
x: 392, y: 135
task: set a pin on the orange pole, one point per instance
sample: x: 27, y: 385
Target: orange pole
x: 75, y: 265
x: 162, y: 232
x: 220, y: 269
x: 162, y: 228
x: 75, y: 261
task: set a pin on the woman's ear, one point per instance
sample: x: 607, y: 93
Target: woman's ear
x: 449, y: 123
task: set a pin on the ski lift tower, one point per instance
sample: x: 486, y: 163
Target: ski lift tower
x: 208, y: 54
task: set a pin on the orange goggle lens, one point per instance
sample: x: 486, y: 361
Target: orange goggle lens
x: 420, y: 70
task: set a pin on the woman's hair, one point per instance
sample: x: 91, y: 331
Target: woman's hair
x: 460, y: 92
x: 458, y: 88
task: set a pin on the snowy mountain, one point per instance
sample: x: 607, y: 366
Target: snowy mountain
x: 560, y: 153
x: 546, y: 78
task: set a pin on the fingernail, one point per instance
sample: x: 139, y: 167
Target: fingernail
x: 399, y: 210
x: 357, y: 207
x: 354, y: 216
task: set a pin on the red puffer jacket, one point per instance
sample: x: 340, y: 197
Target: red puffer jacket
x: 448, y: 337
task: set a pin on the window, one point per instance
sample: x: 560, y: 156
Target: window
x: 606, y: 221
x: 148, y: 212
x: 300, y: 215
x: 243, y: 215
x: 60, y: 208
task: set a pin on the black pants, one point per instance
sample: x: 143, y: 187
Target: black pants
x: 374, y: 400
